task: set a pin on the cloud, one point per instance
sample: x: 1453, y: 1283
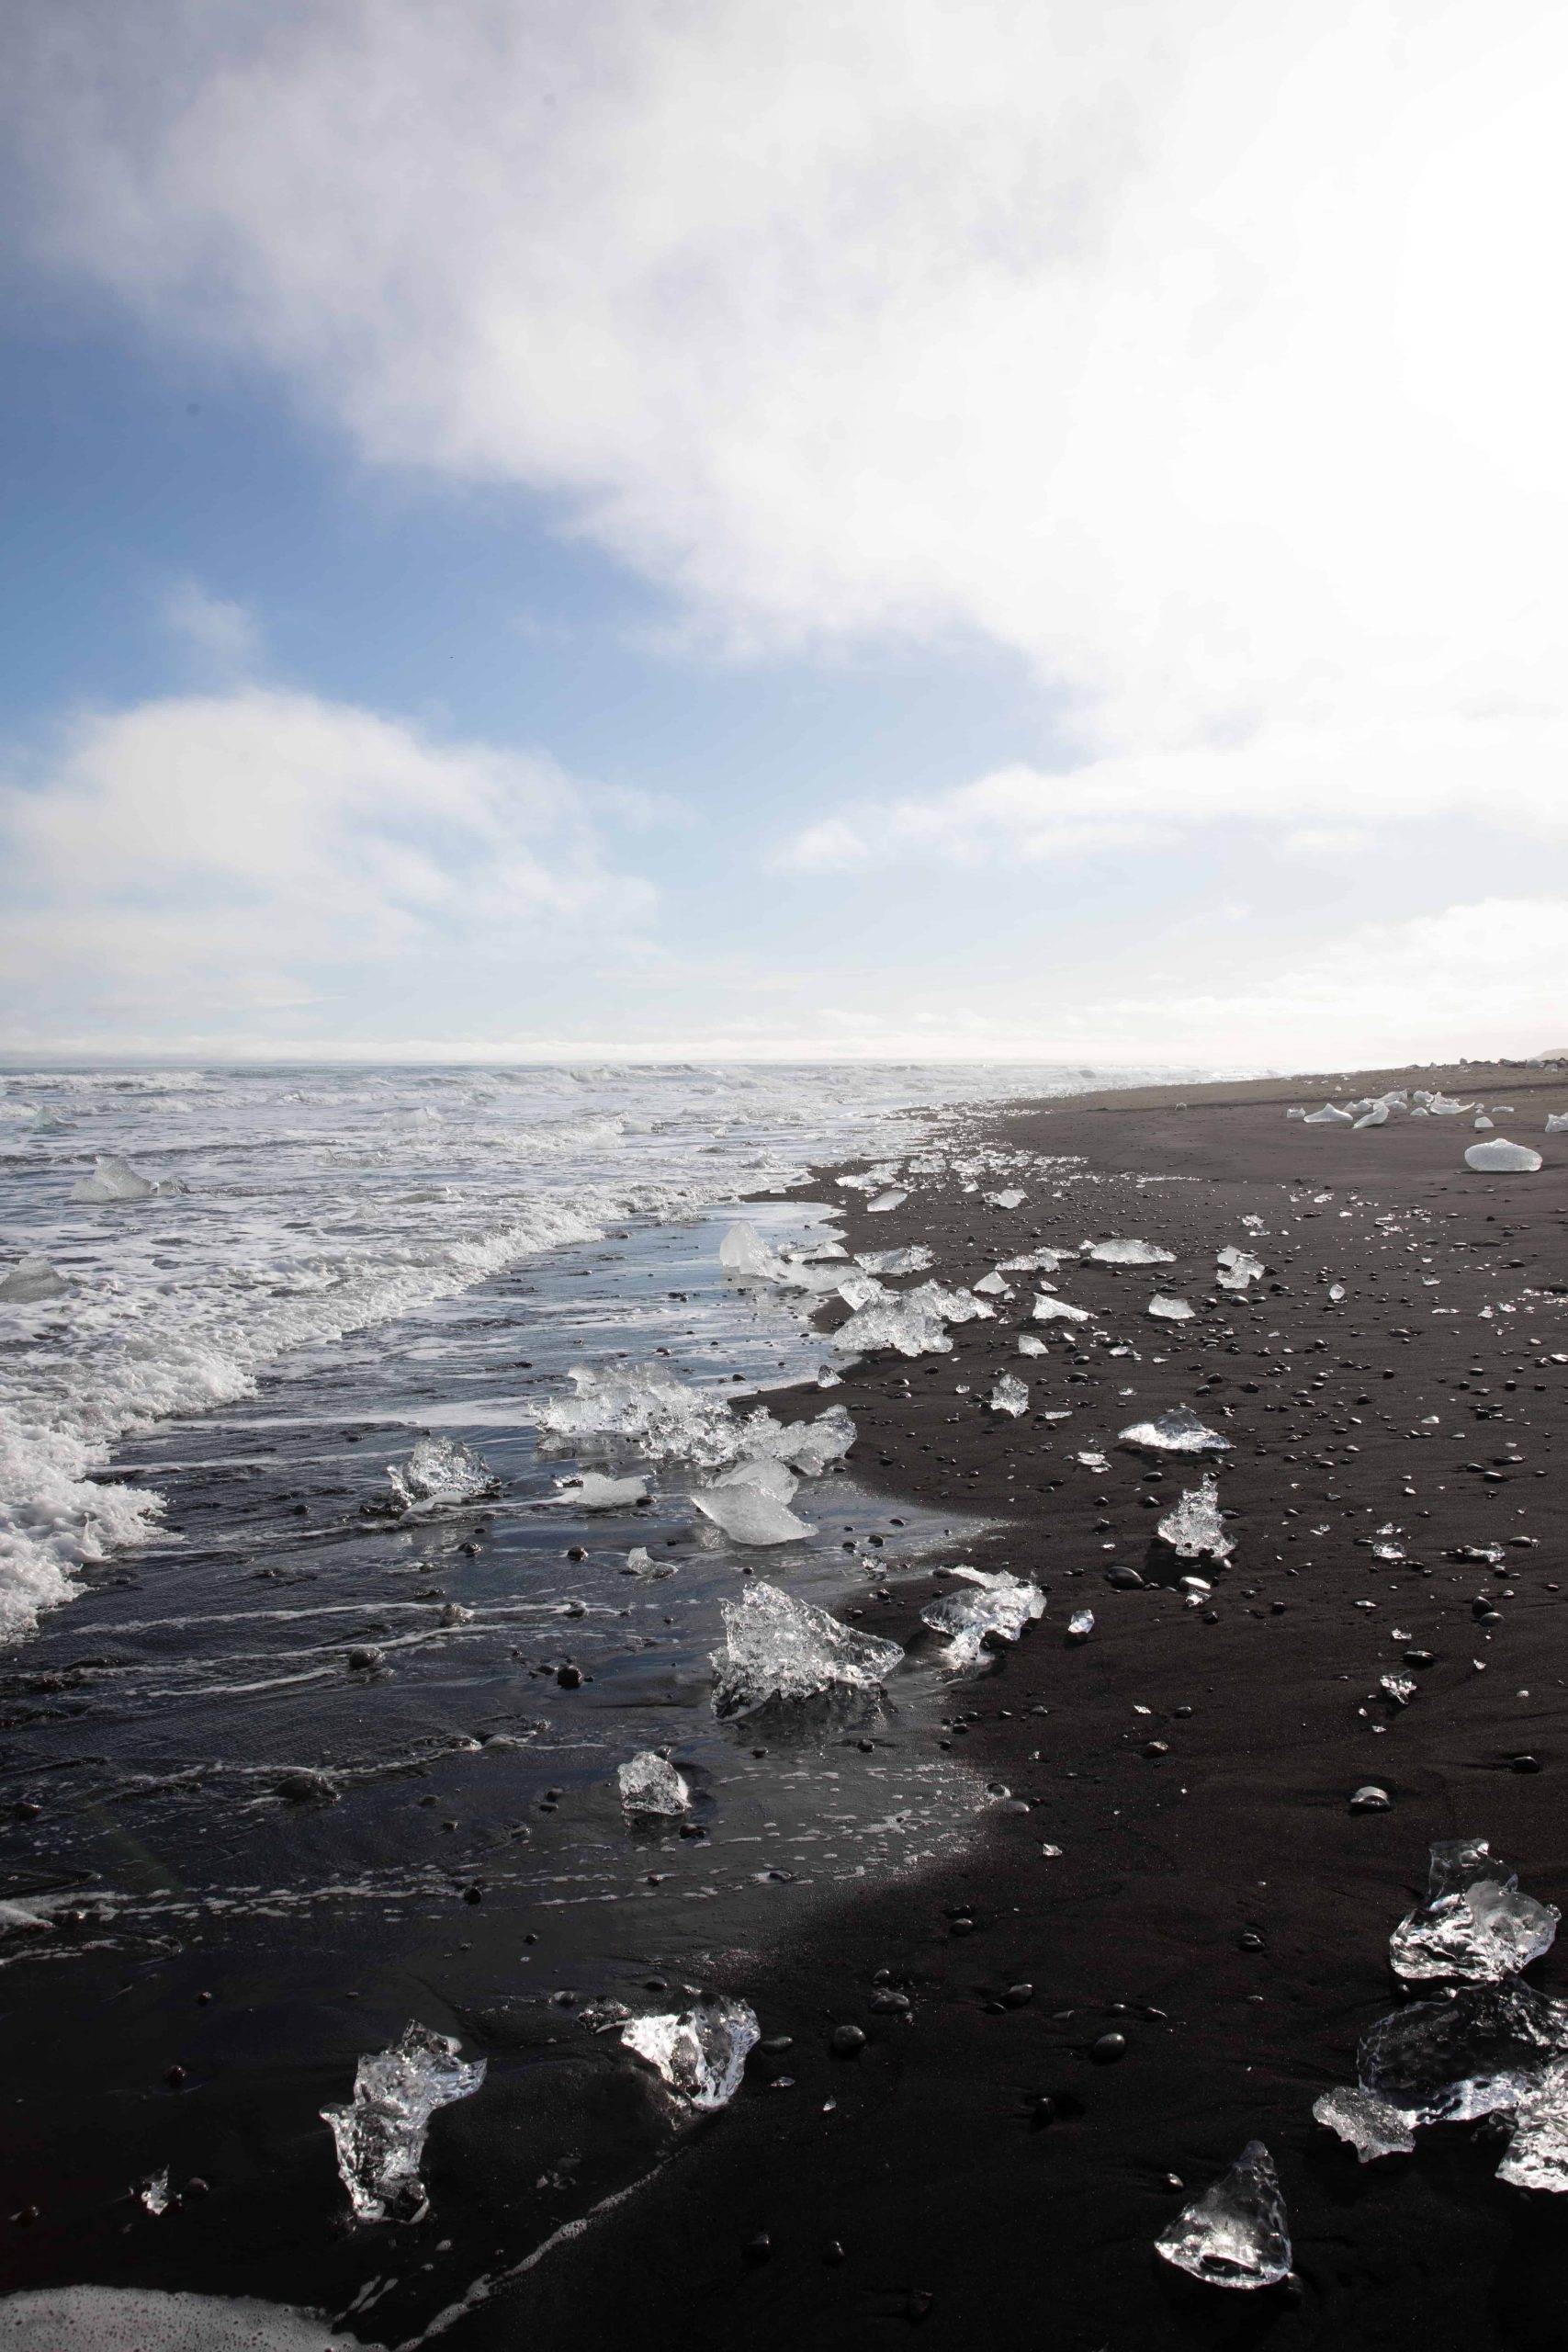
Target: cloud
x: 223, y: 635
x: 248, y: 852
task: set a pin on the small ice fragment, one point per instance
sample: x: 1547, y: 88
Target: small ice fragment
x: 914, y: 1260
x: 381, y: 2137
x: 1235, y: 2234
x: 1376, y: 1117
x: 1474, y: 1925
x: 750, y: 1503
x: 778, y: 1647
x: 1336, y: 1293
x: 1367, y: 2123
x: 113, y: 1179
x: 828, y: 1378
x: 1537, y: 2155
x: 30, y: 1280
x: 650, y: 1784
x: 1041, y: 1262
x: 994, y: 1286
x: 1057, y: 1310
x: 1453, y: 2060
x: 1369, y: 1798
x: 1028, y: 1345
x: 1329, y: 1116
x: 1400, y: 1688
x: 1130, y: 1253
x: 441, y: 1470
x: 892, y: 1199
x: 1482, y: 1125
x: 1005, y: 1200
x: 1557, y: 1123
x: 1092, y: 1461
x: 745, y: 1254
x: 700, y: 2052
x: 1194, y: 1530
x: 1080, y: 1625
x: 1010, y: 1395
x: 912, y: 1321
x: 1177, y: 1431
x: 594, y: 1491
x: 155, y: 2193
x: 1237, y: 1267
x: 1508, y: 1157
x: 1000, y: 1605
x: 1170, y: 1311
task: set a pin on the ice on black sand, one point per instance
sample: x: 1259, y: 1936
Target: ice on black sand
x: 700, y: 2052
x: 1235, y: 2234
x: 1372, y: 2126
x: 1194, y: 1530
x: 998, y: 1604
x: 1502, y: 1157
x: 1177, y: 1431
x: 380, y: 2135
x: 1475, y: 1926
x: 650, y: 1784
x: 778, y: 1647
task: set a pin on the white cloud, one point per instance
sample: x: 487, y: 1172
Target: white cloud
x: 239, y: 852
x: 222, y: 635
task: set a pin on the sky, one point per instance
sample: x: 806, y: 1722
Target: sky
x: 1013, y: 529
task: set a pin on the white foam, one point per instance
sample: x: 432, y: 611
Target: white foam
x: 134, y: 2319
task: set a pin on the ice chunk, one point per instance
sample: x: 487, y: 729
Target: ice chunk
x: 1235, y: 2234
x: 1169, y: 1310
x: 155, y: 2193
x: 1376, y: 1117
x: 892, y: 1199
x: 1474, y: 1925
x: 1237, y: 1267
x: 1039, y: 1261
x: 1177, y: 1431
x: 700, y: 2052
x: 1557, y: 1123
x: 745, y: 1254
x: 1537, y: 2155
x: 1336, y: 1293
x: 661, y: 1415
x: 810, y: 1445
x: 911, y: 1260
x: 1028, y: 1345
x: 1129, y: 1253
x: 999, y: 1604
x: 1483, y: 1126
x: 1080, y: 1625
x: 381, y: 2137
x: 113, y: 1179
x: 1010, y: 1395
x: 593, y: 1491
x: 778, y: 1647
x: 1057, y: 1310
x: 1443, y: 1106
x: 858, y: 1290
x: 650, y: 1784
x: 1012, y: 1200
x: 30, y: 1280
x: 1329, y: 1116
x: 912, y: 1321
x: 1194, y: 1530
x: 1450, y: 2061
x: 750, y: 1503
x: 1400, y: 1688
x: 1513, y: 1158
x: 994, y: 1287
x: 441, y: 1470
x: 1367, y: 2123
x: 1090, y: 1461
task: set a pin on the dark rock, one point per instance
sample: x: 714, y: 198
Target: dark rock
x: 1108, y: 2048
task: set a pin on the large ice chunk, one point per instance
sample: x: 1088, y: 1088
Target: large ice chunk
x: 1475, y: 1925
x: 1129, y: 1253
x: 1169, y: 1310
x: 1329, y: 1116
x: 1376, y: 1117
x: 380, y: 2136
x: 999, y: 1603
x: 594, y: 1491
x: 1010, y: 1395
x: 1450, y: 2061
x: 1511, y: 1158
x: 700, y: 2052
x: 1235, y: 2234
x: 1372, y: 2126
x: 912, y: 1321
x: 745, y: 1254
x: 1036, y: 1261
x: 30, y: 1280
x: 778, y: 1647
x: 441, y: 1470
x: 892, y: 1199
x: 1537, y: 2155
x: 1557, y: 1123
x: 1177, y: 1431
x: 1444, y: 1107
x: 113, y: 1179
x: 650, y: 1784
x: 1194, y: 1530
x: 750, y: 1503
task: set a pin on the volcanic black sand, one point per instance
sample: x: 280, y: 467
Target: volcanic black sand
x: 973, y: 2173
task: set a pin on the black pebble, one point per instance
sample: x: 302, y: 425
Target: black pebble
x: 569, y: 1677
x: 1108, y: 2048
x: 846, y: 2041
x: 758, y: 2248
x: 1525, y: 1763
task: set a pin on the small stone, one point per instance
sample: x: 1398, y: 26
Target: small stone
x: 1250, y: 1941
x: 758, y: 2248
x: 1017, y: 1997
x: 1156, y: 1748
x: 1525, y: 1763
x: 569, y: 1678
x: 847, y: 2040
x: 364, y: 1661
x: 1108, y: 2048
x: 1370, y: 1799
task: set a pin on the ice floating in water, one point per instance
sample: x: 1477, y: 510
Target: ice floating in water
x: 1329, y: 1116
x: 1235, y: 2234
x: 1376, y: 1117
x: 1057, y: 1310
x: 750, y: 1503
x: 1451, y: 2061
x: 744, y: 1253
x: 1237, y: 1267
x: 1512, y: 1158
x: 1005, y: 1200
x: 650, y: 1784
x: 1537, y: 2155
x: 778, y: 1647
x: 593, y: 1491
x: 441, y: 1470
x: 892, y: 1199
x: 381, y: 2137
x: 113, y: 1179
x: 1177, y: 1431
x: 911, y: 1260
x: 999, y: 1604
x: 1129, y: 1253
x: 1194, y: 1530
x: 1367, y: 2123
x: 1010, y: 1395
x: 700, y: 2052
x: 30, y: 1280
x: 1475, y: 1925
x: 1169, y: 1310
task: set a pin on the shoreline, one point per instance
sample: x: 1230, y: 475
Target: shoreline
x: 1217, y: 1903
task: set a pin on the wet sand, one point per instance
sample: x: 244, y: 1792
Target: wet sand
x: 974, y: 2172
